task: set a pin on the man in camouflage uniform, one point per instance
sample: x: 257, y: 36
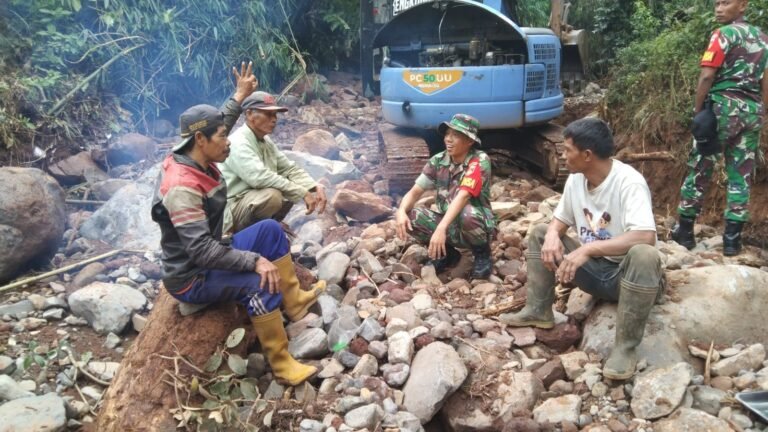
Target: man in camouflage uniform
x: 461, y: 175
x: 733, y: 77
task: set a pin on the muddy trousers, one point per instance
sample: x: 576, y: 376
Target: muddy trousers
x: 601, y: 278
x: 257, y: 205
x: 215, y: 286
x: 468, y: 231
x: 739, y: 133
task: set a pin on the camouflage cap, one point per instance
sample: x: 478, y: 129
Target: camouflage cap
x: 464, y: 124
x: 197, y: 118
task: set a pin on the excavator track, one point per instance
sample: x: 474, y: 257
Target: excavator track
x: 406, y: 151
x: 405, y: 154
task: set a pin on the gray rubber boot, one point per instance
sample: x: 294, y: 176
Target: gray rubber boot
x: 538, y: 304
x: 635, y: 303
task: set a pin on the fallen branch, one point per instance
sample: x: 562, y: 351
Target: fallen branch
x: 663, y: 156
x: 82, y: 368
x: 708, y: 364
x: 513, y: 306
x: 80, y: 86
x: 84, y: 202
x: 58, y: 271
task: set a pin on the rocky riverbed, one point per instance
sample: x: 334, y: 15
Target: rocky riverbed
x: 398, y: 347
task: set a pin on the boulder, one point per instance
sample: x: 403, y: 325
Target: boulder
x: 32, y: 219
x: 107, y: 307
x: 77, y: 169
x: 364, y: 207
x: 317, y: 142
x: 44, y: 413
x: 436, y: 372
x: 106, y: 189
x: 125, y: 221
x: 558, y: 410
x: 657, y: 393
x: 335, y: 171
x: 739, y: 291
x: 686, y: 419
x: 130, y: 148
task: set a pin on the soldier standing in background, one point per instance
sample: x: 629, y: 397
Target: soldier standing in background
x: 733, y: 77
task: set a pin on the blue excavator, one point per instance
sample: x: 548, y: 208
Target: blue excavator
x: 430, y: 59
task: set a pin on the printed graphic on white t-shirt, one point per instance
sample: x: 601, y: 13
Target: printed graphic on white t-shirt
x: 596, y: 228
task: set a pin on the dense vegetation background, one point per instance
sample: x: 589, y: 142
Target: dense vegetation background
x: 73, y: 69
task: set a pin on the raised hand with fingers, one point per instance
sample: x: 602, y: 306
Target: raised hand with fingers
x: 245, y: 81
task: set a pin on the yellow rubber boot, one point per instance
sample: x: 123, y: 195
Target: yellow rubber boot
x: 271, y: 333
x: 296, y: 301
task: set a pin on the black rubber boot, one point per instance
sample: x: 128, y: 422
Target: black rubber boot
x: 482, y: 267
x: 683, y: 232
x: 732, y: 238
x: 451, y: 258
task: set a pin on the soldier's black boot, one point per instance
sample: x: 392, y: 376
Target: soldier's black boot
x: 451, y: 258
x: 482, y: 267
x: 732, y: 237
x: 683, y: 232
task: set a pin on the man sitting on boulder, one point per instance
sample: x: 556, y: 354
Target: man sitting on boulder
x: 615, y: 260
x: 256, y: 269
x: 263, y: 183
x: 461, y: 175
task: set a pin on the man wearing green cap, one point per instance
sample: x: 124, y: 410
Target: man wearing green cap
x: 461, y: 176
x: 263, y: 183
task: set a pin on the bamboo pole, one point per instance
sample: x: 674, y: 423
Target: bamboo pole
x: 663, y: 156
x: 58, y: 271
x: 63, y: 101
x: 84, y: 202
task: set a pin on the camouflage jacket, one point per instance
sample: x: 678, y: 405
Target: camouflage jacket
x: 740, y: 53
x: 448, y: 178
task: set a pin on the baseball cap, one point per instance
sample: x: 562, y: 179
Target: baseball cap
x: 195, y: 119
x: 262, y: 101
x: 462, y: 123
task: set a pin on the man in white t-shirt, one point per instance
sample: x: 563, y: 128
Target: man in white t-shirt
x: 608, y: 203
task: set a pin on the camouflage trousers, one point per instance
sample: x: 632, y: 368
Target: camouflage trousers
x: 739, y: 134
x: 467, y: 231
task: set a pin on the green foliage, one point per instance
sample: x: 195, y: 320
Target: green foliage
x: 157, y: 56
x: 534, y: 13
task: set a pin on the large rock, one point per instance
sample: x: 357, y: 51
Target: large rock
x: 125, y: 221
x: 130, y: 148
x: 436, y: 372
x: 693, y: 316
x: 107, y: 307
x: 317, y: 142
x: 558, y: 410
x: 364, y: 207
x: 34, y: 414
x: 11, y: 390
x: 657, y: 393
x: 333, y: 267
x: 77, y: 169
x: 335, y: 171
x: 749, y: 359
x: 32, y: 218
x: 691, y: 420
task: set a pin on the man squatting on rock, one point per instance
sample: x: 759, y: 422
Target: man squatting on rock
x: 255, y: 270
x: 262, y: 182
x: 733, y: 74
x: 461, y: 176
x: 614, y: 259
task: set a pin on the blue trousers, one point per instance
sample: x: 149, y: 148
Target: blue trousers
x: 215, y: 286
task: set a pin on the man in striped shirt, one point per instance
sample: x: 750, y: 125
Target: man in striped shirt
x: 256, y: 269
